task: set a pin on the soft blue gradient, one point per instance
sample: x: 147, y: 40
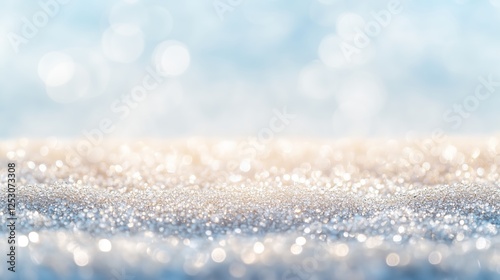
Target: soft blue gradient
x: 242, y: 67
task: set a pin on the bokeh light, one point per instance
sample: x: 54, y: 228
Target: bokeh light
x: 267, y: 54
x: 172, y: 58
x: 123, y: 43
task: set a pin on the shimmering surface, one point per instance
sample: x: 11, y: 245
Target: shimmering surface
x: 290, y: 209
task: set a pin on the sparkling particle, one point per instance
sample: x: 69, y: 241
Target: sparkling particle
x: 33, y: 236
x: 392, y: 259
x: 300, y: 241
x: 80, y: 257
x: 42, y: 167
x: 183, y: 207
x: 361, y: 238
x: 23, y: 241
x: 258, y: 248
x: 397, y: 238
x: 163, y: 257
x: 245, y: 166
x: 105, y: 245
x: 296, y: 249
x: 434, y: 257
x: 341, y: 250
x: 482, y: 243
x: 218, y: 255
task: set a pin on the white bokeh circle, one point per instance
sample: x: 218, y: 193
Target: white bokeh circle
x: 317, y: 81
x: 171, y: 58
x: 349, y: 24
x: 123, y: 43
x: 56, y: 68
x: 159, y: 24
x: 330, y: 53
x: 73, y: 74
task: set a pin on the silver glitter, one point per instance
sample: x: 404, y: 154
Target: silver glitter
x: 296, y: 210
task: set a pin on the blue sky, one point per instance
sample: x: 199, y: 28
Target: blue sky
x: 237, y: 61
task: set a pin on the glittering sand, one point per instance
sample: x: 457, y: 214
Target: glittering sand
x: 298, y: 209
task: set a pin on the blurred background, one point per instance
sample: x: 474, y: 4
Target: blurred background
x: 225, y: 68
